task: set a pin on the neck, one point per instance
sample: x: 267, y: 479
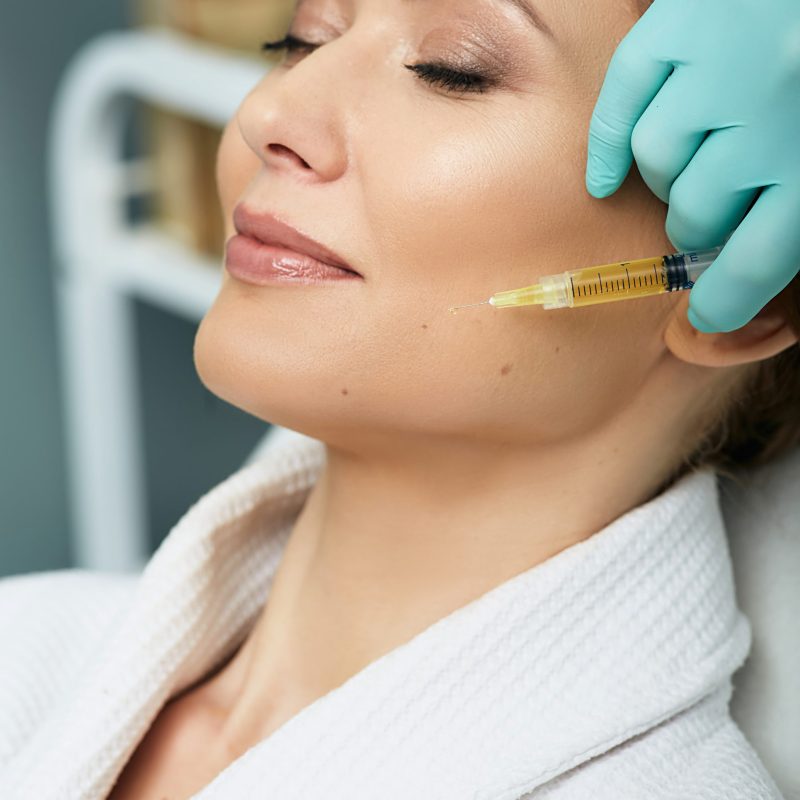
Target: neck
x: 389, y: 543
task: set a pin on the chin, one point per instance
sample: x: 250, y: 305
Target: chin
x: 262, y: 373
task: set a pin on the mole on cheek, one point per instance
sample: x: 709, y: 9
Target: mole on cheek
x: 344, y: 391
x: 505, y: 369
x: 424, y: 326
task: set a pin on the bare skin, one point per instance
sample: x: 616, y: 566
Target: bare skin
x: 455, y: 444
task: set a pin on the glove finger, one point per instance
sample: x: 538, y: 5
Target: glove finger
x: 706, y: 201
x: 667, y: 135
x: 760, y: 259
x: 633, y: 78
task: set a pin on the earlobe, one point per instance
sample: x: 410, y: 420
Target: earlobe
x: 766, y: 335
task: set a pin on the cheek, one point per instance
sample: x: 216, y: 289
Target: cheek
x: 516, y: 375
x: 486, y: 203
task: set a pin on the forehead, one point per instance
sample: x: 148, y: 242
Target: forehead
x: 545, y: 15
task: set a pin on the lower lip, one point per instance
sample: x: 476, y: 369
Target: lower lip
x: 252, y: 261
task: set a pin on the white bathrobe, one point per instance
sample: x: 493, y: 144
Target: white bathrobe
x: 603, y: 673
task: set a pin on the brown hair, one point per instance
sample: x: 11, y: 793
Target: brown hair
x: 759, y: 419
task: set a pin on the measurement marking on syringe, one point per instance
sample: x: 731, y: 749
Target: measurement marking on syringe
x: 614, y: 279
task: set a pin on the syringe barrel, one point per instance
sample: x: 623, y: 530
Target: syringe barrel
x: 619, y: 281
x: 628, y: 279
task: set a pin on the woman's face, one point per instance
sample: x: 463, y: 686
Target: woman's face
x: 437, y: 197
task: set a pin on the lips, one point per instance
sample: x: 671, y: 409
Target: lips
x: 270, y: 230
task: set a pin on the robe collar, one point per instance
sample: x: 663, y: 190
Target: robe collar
x: 552, y: 667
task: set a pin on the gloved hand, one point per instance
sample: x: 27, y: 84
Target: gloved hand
x: 736, y: 78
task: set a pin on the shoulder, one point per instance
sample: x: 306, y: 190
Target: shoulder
x: 51, y: 623
x: 698, y: 754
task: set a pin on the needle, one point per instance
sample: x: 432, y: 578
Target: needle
x: 456, y: 309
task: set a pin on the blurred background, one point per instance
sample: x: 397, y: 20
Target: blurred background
x: 111, y: 245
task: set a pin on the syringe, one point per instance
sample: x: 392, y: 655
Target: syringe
x: 620, y: 281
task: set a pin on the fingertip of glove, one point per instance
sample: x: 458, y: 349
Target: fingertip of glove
x: 599, y: 191
x: 599, y: 188
x: 601, y: 181
x: 699, y: 323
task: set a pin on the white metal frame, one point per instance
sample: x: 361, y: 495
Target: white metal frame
x: 103, y: 263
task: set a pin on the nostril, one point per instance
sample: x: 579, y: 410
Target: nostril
x: 282, y: 150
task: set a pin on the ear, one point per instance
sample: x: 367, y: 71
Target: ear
x: 766, y: 335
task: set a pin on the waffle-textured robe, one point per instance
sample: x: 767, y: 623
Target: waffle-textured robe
x: 602, y: 673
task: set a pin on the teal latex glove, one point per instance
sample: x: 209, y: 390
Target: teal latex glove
x: 706, y: 97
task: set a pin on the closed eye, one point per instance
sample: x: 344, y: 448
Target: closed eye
x: 436, y: 74
x: 289, y: 43
x: 451, y: 79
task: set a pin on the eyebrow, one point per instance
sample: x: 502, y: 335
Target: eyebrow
x: 530, y: 13
x: 533, y: 15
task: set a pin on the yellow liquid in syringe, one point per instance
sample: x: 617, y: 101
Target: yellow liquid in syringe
x: 640, y: 278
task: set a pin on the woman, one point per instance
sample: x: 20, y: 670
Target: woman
x: 504, y: 574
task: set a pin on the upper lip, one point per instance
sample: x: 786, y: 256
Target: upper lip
x: 269, y: 229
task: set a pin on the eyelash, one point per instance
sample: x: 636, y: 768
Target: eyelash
x: 435, y: 74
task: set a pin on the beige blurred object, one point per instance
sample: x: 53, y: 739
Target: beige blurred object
x: 186, y: 203
x: 238, y: 24
x: 184, y: 150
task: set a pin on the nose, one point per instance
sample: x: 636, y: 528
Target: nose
x: 293, y: 120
